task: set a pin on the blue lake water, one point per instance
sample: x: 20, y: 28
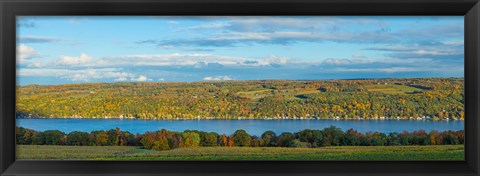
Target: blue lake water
x: 253, y: 127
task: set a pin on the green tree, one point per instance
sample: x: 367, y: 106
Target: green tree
x: 160, y: 145
x: 285, y: 139
x: 77, y: 138
x: 269, y: 138
x: 332, y: 135
x: 314, y: 137
x: 241, y: 138
x: 191, y: 139
x: 25, y: 136
x: 208, y: 139
x: 99, y: 138
x: 53, y: 137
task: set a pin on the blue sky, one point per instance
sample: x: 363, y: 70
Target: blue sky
x: 68, y: 49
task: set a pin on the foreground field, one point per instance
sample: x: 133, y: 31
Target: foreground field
x: 440, y: 152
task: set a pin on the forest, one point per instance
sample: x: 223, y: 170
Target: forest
x: 308, y: 138
x: 413, y: 98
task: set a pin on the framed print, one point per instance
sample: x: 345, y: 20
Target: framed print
x: 306, y: 87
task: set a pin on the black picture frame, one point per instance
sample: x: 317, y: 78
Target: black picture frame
x: 470, y: 9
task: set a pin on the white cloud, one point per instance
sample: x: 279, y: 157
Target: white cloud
x: 194, y: 60
x: 385, y: 70
x: 41, y: 72
x: 209, y: 26
x: 394, y: 48
x: 197, y: 60
x: 95, y: 74
x: 141, y: 78
x: 434, y: 50
x: 45, y: 39
x: 344, y: 62
x: 433, y: 53
x: 453, y: 42
x: 83, y: 59
x: 337, y: 61
x: 25, y: 52
x: 272, y: 23
x: 36, y: 39
x: 230, y: 38
x: 83, y: 75
x: 217, y: 78
x: 270, y: 60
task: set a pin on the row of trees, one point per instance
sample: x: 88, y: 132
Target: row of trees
x: 165, y: 140
x: 437, y: 98
x: 113, y: 137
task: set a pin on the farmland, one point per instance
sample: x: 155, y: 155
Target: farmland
x: 441, y: 152
x: 393, y: 89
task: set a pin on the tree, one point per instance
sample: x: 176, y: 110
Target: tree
x: 231, y: 141
x: 175, y: 140
x: 269, y: 139
x: 77, y: 138
x: 284, y: 139
x: 99, y: 138
x: 25, y: 136
x: 156, y: 140
x: 115, y: 137
x: 53, y: 137
x: 222, y: 140
x: 378, y: 139
x: 393, y: 139
x: 350, y: 138
x: 255, y: 142
x: 191, y: 139
x: 450, y: 139
x: 160, y: 145
x: 314, y: 137
x: 332, y: 135
x: 208, y: 139
x: 241, y: 138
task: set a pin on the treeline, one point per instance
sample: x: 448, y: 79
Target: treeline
x: 166, y: 140
x: 428, y: 98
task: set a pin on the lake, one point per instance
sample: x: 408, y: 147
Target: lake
x: 253, y: 127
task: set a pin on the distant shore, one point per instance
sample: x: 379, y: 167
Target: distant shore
x: 244, y: 118
x: 385, y: 99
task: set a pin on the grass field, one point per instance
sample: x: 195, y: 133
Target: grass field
x: 256, y: 95
x: 440, y: 152
x: 392, y: 89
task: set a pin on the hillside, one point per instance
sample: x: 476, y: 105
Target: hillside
x: 433, y: 98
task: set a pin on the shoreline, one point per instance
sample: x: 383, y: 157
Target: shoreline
x: 185, y: 119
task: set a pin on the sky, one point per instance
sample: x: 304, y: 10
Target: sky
x: 83, y: 49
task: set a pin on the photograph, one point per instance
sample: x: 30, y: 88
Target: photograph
x: 218, y: 88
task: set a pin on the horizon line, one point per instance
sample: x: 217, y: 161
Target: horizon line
x: 207, y: 81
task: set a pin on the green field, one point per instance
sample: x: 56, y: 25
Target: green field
x: 432, y: 152
x: 392, y: 89
x: 256, y: 95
